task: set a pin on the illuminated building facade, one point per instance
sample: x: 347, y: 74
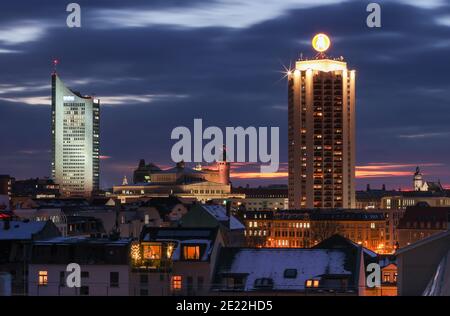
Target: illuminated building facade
x: 75, y: 140
x: 277, y: 229
x: 421, y: 222
x: 321, y: 97
x: 6, y: 185
x: 180, y: 181
x: 263, y: 199
x: 303, y: 229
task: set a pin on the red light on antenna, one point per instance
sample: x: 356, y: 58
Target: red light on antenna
x: 55, y: 61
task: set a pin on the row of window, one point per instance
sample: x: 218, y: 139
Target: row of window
x: 43, y: 276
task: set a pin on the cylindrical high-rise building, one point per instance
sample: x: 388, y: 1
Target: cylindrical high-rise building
x: 321, y: 129
x: 75, y: 140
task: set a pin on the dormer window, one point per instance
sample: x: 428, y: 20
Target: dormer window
x: 290, y: 273
x: 191, y: 252
x: 312, y: 283
x: 265, y: 283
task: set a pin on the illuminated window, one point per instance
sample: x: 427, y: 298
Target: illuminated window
x: 43, y: 278
x: 191, y: 252
x: 152, y: 252
x: 176, y: 282
x: 312, y: 283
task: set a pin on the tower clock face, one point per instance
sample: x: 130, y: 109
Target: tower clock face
x: 321, y: 42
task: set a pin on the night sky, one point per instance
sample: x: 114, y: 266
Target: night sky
x: 159, y: 64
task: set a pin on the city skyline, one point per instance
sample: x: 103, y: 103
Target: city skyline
x: 224, y: 155
x: 401, y: 118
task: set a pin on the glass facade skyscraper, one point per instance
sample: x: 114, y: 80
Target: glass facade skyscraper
x: 75, y: 140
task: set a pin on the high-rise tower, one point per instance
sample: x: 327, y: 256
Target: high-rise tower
x: 75, y: 140
x: 321, y: 129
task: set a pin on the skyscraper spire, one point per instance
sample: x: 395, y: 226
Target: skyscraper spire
x: 55, y: 64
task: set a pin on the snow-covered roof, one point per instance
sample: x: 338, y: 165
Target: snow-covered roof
x: 367, y: 251
x: 20, y: 230
x: 271, y: 263
x: 334, y: 242
x: 220, y: 213
x: 83, y: 240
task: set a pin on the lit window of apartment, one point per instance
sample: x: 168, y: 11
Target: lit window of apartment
x: 176, y: 282
x: 43, y: 278
x: 312, y: 283
x: 191, y: 252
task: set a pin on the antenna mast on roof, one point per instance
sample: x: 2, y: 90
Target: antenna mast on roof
x: 55, y: 64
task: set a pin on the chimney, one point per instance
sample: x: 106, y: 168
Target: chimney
x: 228, y: 208
x: 368, y: 187
x: 383, y: 187
x: 228, y: 212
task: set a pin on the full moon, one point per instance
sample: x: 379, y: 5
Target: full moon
x: 321, y: 42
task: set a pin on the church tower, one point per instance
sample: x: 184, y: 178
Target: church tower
x: 418, y: 180
x: 223, y: 168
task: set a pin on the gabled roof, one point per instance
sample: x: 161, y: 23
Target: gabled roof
x: 220, y: 214
x: 271, y: 264
x: 177, y: 233
x: 338, y: 242
x: 19, y: 230
x: 163, y: 204
x: 83, y: 240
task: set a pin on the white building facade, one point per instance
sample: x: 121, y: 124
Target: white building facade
x: 75, y: 140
